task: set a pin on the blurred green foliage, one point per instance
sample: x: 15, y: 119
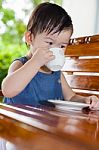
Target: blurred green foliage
x: 11, y: 43
x: 14, y: 28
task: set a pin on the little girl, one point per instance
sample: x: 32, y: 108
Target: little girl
x: 29, y: 80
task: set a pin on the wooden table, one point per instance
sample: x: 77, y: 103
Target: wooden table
x: 59, y: 128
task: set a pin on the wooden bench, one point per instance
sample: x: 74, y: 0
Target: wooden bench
x: 82, y: 65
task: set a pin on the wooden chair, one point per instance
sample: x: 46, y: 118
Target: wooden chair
x: 82, y: 65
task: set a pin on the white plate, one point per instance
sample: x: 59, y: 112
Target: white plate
x: 69, y: 103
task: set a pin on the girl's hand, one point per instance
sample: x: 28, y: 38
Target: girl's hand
x: 43, y: 56
x: 93, y: 101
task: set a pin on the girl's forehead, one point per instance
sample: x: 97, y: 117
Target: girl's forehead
x: 62, y: 37
x: 63, y: 33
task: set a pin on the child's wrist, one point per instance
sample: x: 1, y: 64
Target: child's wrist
x: 35, y: 62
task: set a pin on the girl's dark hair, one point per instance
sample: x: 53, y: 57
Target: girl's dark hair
x: 48, y: 17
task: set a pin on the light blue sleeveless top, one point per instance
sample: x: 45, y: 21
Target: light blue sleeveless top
x: 42, y: 87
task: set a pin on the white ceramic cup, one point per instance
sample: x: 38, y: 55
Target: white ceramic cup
x: 59, y: 60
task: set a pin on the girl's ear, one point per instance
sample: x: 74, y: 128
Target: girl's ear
x: 28, y: 38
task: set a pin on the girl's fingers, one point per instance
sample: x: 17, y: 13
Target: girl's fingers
x: 96, y: 105
x: 94, y: 102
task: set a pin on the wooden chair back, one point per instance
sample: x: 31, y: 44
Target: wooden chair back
x: 81, y: 68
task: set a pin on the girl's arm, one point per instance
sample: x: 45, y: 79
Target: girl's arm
x: 20, y: 75
x: 67, y: 91
x: 72, y: 96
